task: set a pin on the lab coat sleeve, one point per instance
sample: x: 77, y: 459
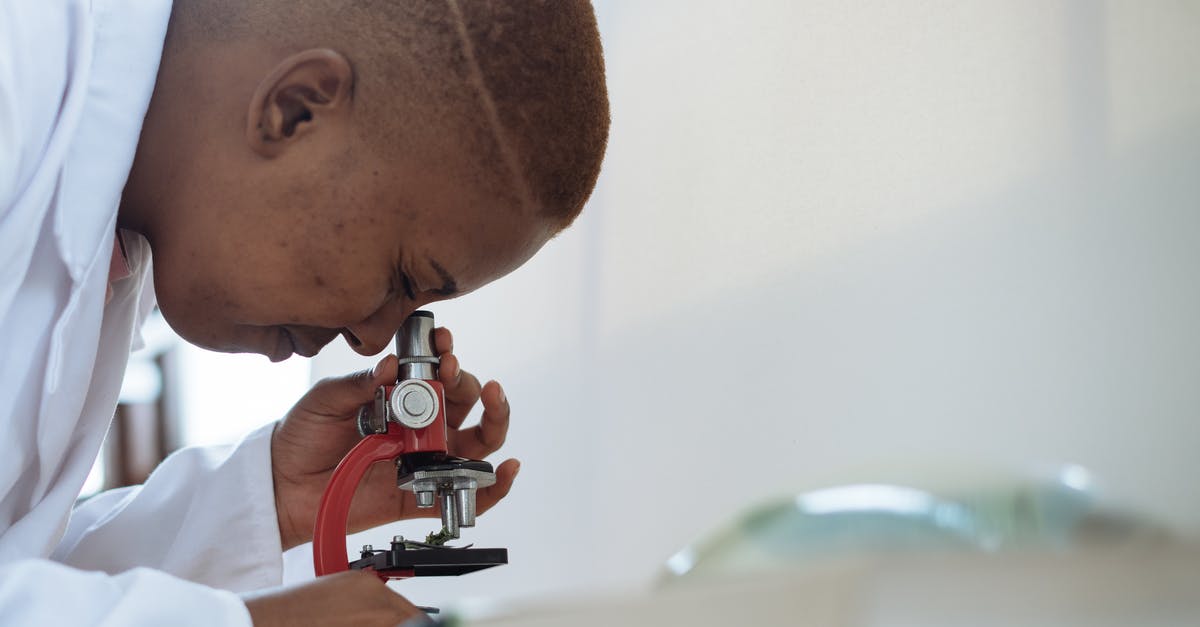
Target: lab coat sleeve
x: 206, y: 514
x: 41, y: 592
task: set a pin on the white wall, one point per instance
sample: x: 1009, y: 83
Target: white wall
x: 833, y: 236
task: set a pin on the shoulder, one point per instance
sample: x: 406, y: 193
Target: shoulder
x: 43, y: 44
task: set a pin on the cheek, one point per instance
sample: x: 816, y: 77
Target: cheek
x: 335, y: 283
x: 301, y: 272
x: 309, y: 293
x: 335, y: 301
x: 208, y: 289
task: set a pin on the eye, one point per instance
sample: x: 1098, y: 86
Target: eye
x: 401, y: 281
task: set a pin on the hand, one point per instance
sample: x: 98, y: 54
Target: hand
x: 321, y: 428
x: 353, y: 599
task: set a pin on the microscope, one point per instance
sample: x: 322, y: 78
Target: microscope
x: 406, y: 426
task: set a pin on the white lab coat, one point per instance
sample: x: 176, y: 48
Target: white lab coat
x: 75, y: 80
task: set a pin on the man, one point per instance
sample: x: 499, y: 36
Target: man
x: 295, y: 170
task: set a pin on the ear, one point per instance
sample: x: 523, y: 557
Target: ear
x: 296, y: 97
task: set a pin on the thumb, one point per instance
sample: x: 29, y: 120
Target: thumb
x: 339, y: 396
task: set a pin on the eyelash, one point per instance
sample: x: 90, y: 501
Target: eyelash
x: 401, y: 284
x: 406, y: 285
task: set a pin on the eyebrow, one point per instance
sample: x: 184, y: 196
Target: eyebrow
x: 449, y: 285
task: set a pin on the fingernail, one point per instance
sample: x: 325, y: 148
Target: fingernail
x: 378, y: 370
x: 457, y: 370
x: 517, y: 470
x: 503, y: 398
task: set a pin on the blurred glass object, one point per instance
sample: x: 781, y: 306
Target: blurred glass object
x: 1056, y: 513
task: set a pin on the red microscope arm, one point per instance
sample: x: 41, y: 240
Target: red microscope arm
x: 329, y: 535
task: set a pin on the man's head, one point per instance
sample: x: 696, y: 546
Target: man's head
x: 316, y: 167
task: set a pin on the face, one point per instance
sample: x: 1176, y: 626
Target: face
x: 351, y: 254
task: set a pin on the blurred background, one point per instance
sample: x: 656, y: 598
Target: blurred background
x: 832, y: 241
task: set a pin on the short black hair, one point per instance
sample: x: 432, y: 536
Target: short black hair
x: 519, y: 83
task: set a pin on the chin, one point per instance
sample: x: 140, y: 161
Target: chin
x: 204, y: 338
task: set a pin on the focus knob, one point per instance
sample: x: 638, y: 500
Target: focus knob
x: 414, y: 404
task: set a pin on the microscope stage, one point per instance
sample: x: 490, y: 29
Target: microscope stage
x: 432, y: 562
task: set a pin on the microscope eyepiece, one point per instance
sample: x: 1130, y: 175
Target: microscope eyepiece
x: 415, y: 348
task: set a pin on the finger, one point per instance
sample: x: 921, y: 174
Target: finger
x: 393, y: 608
x: 443, y: 340
x: 488, y: 436
x: 405, y: 610
x: 449, y: 370
x: 462, y: 390
x: 506, y: 474
x: 338, y: 397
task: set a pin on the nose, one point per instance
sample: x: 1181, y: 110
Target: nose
x: 371, y: 336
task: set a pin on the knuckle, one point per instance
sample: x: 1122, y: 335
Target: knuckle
x: 355, y: 577
x: 489, y: 439
x: 357, y: 379
x: 323, y: 384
